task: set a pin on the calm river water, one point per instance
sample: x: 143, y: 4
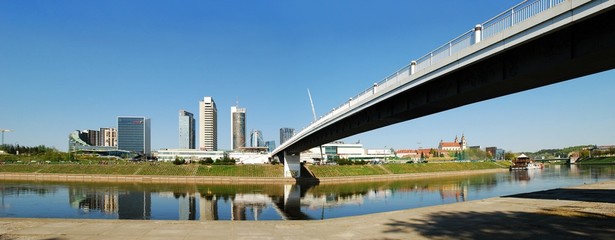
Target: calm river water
x: 274, y: 202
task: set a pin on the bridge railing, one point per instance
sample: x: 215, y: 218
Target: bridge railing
x: 488, y: 29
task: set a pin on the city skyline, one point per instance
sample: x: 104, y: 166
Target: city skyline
x: 58, y: 52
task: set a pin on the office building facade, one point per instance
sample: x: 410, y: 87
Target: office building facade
x: 238, y: 127
x: 186, y: 130
x: 208, y: 125
x: 285, y: 134
x: 256, y: 138
x: 107, y: 137
x: 133, y: 134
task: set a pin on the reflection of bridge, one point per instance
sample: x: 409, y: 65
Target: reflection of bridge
x: 536, y: 43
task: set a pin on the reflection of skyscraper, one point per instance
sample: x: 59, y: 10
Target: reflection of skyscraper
x: 186, y: 130
x: 88, y: 200
x: 208, y: 125
x: 187, y: 207
x: 238, y: 127
x: 285, y: 134
x: 133, y: 134
x: 135, y: 205
x: 208, y: 205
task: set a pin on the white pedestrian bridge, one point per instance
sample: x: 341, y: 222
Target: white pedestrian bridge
x: 533, y: 44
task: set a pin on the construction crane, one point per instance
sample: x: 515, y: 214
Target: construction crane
x: 3, y: 131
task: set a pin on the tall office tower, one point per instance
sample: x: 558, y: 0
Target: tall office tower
x: 186, y: 130
x: 107, y: 137
x: 256, y: 138
x: 238, y: 127
x: 93, y: 137
x: 270, y: 145
x: 285, y: 134
x: 208, y: 125
x: 133, y: 134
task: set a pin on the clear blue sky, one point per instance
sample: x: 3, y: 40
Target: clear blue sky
x: 67, y: 65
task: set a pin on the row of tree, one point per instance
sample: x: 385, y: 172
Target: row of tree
x: 18, y: 149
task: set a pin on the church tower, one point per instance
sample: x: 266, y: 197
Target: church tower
x: 463, y: 143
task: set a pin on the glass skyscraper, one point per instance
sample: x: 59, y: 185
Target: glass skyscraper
x: 186, y: 130
x: 133, y: 134
x: 285, y: 134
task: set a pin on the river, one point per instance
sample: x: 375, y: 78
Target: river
x: 275, y: 201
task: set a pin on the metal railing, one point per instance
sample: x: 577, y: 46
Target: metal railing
x: 490, y: 28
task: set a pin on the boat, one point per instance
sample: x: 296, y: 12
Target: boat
x: 523, y: 162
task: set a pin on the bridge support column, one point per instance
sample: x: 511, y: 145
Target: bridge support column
x: 292, y: 165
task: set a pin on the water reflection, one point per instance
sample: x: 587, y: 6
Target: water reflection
x: 273, y: 202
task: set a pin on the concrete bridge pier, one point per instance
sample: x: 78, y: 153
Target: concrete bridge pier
x: 292, y: 165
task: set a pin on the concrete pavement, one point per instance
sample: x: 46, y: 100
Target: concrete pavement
x: 582, y: 212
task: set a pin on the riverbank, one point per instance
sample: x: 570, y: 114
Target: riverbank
x: 582, y: 212
x: 110, y: 178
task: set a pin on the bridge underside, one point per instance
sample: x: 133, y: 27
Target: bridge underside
x: 576, y: 50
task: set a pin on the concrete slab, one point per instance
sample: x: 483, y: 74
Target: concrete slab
x: 583, y: 212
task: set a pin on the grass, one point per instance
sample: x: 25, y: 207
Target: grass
x: 601, y: 160
x: 319, y: 171
x: 439, y: 167
x: 346, y: 170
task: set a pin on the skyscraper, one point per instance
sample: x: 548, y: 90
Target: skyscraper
x: 186, y: 130
x: 133, y: 134
x: 208, y: 125
x: 107, y: 137
x: 256, y: 138
x: 238, y: 127
x: 285, y: 134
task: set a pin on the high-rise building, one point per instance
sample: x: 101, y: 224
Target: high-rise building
x: 238, y: 127
x: 133, y: 134
x: 270, y: 145
x: 186, y: 130
x: 256, y: 138
x: 92, y: 137
x: 285, y: 134
x: 107, y: 137
x: 208, y: 125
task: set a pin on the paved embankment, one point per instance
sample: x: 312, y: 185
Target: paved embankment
x: 582, y: 212
x: 109, y: 178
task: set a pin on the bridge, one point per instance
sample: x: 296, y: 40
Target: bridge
x: 533, y: 44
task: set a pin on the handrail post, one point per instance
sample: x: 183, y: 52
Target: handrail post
x: 412, y: 67
x: 477, y: 33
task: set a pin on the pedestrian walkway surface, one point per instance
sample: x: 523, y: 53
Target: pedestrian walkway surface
x: 582, y: 212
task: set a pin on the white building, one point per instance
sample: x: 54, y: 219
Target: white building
x: 191, y: 155
x: 108, y: 137
x: 208, y: 125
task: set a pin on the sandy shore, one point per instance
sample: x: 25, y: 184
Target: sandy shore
x: 582, y: 212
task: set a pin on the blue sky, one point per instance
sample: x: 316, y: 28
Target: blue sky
x: 67, y: 65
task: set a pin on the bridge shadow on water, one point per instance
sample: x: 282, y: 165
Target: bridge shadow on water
x: 589, y: 219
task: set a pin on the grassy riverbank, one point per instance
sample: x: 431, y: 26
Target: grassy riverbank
x: 164, y: 169
x: 600, y: 160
